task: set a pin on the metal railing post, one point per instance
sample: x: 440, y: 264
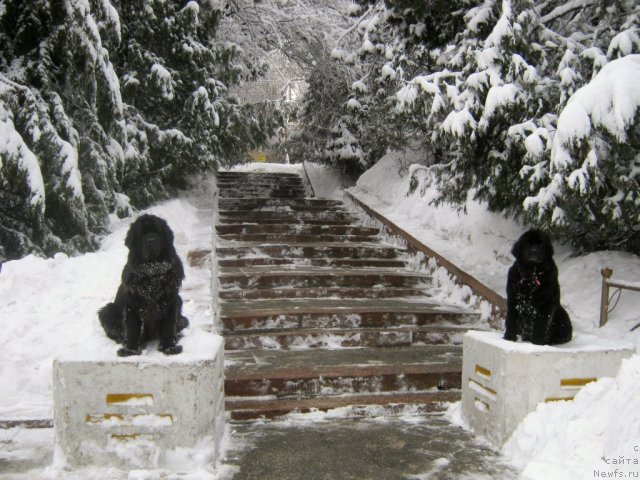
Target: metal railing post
x: 604, y: 301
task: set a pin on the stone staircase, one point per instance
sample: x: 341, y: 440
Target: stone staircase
x: 318, y: 312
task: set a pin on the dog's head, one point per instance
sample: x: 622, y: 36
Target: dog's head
x: 149, y: 239
x: 533, y: 249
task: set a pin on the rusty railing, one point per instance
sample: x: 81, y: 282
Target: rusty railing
x: 606, y: 300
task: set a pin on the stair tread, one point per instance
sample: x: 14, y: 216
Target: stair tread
x: 342, y: 331
x: 377, y: 245
x: 329, y: 305
x: 416, y: 359
x: 324, y: 292
x: 284, y: 270
x: 335, y: 401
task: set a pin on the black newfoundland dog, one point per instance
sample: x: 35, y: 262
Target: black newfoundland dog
x: 147, y: 305
x: 534, y: 312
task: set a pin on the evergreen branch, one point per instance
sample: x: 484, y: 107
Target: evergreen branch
x: 566, y: 8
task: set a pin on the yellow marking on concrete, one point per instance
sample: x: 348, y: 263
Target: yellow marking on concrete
x: 481, y: 405
x: 576, y: 382
x: 132, y: 398
x: 104, y: 417
x: 120, y: 437
x: 558, y: 399
x: 484, y: 372
x: 487, y: 390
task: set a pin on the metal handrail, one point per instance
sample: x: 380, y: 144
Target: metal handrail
x: 606, y: 300
x: 308, y: 180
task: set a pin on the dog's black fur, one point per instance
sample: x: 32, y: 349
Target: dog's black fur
x: 534, y: 312
x: 147, y: 305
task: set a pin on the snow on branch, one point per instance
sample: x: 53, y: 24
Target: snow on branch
x: 566, y: 8
x: 14, y: 149
x: 610, y: 101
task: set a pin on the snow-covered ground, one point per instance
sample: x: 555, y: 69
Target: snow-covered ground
x: 48, y: 308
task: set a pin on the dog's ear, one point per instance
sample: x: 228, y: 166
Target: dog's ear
x: 164, y: 229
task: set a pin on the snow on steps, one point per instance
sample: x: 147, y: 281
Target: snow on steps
x: 307, y: 299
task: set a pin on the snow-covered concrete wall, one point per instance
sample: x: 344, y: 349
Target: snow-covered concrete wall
x: 140, y: 412
x: 503, y: 381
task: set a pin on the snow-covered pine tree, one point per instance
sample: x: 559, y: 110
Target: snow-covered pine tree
x: 106, y: 101
x: 489, y: 99
x: 589, y: 190
x: 58, y: 75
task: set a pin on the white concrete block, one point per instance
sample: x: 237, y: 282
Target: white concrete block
x: 142, y: 412
x: 503, y: 381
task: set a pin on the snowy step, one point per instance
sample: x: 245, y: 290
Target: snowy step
x: 242, y: 409
x: 295, y: 238
x: 266, y: 202
x: 338, y: 313
x: 306, y: 277
x: 297, y: 229
x: 322, y: 292
x: 346, y: 338
x: 317, y: 262
x: 259, y: 181
x: 259, y: 216
x: 257, y: 176
x: 276, y: 192
x: 306, y: 250
x: 258, y: 187
x: 317, y: 374
x: 284, y: 208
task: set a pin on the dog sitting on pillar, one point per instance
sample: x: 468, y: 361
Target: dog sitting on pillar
x: 534, y: 313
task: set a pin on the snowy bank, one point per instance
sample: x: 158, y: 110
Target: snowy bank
x: 598, y: 432
x: 480, y: 242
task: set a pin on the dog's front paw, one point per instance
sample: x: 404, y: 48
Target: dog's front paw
x: 510, y: 337
x: 171, y: 350
x: 127, y: 352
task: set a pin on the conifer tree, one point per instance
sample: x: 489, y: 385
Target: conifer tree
x: 106, y: 106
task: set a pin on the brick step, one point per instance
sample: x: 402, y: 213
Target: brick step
x: 281, y: 229
x: 338, y: 313
x: 316, y: 262
x: 244, y: 189
x: 269, y: 408
x: 312, y: 372
x: 265, y: 202
x: 257, y: 186
x: 345, y: 338
x: 259, y: 216
x: 259, y: 182
x: 260, y: 179
x: 273, y: 193
x: 257, y: 175
x: 321, y: 292
x: 305, y: 277
x: 307, y: 251
x: 291, y: 221
x: 285, y: 238
x: 309, y: 209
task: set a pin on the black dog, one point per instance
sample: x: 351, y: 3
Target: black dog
x: 147, y: 305
x: 534, y: 312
